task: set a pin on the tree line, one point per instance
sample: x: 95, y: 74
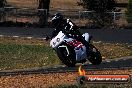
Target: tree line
x: 100, y: 7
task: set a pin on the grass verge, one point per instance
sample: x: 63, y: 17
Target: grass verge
x: 18, y: 53
x: 14, y: 56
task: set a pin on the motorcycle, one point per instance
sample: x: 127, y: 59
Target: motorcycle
x: 70, y: 51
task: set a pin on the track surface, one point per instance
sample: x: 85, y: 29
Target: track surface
x: 105, y: 35
x: 114, y: 36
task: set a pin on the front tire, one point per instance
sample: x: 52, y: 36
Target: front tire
x: 69, y: 60
x: 95, y: 56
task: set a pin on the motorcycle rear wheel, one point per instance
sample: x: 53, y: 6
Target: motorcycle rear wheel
x: 69, y: 60
x: 95, y: 56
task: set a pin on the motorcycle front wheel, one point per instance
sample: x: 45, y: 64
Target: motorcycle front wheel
x: 95, y: 56
x: 69, y: 60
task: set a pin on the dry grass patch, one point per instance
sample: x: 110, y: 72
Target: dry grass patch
x: 64, y: 4
x: 111, y: 50
x: 55, y: 4
x: 23, y: 3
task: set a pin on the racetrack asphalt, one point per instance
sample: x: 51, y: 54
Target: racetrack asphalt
x: 105, y: 35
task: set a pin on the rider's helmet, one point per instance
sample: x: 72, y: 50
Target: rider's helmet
x: 56, y: 19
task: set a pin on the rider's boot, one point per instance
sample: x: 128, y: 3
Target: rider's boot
x: 86, y: 43
x: 87, y: 48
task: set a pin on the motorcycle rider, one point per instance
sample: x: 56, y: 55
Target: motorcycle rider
x: 68, y: 27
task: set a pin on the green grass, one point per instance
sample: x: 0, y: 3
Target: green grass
x: 14, y: 56
x: 18, y: 53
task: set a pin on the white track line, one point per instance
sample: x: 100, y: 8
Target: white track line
x: 1, y: 35
x: 22, y: 37
x: 124, y: 59
x: 29, y: 37
x: 15, y: 36
x: 116, y: 60
x: 108, y: 61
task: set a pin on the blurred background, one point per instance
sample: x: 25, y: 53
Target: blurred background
x: 90, y: 14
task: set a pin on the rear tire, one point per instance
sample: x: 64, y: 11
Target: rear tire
x: 70, y: 60
x: 95, y: 56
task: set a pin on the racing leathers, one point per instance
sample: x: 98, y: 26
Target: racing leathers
x: 70, y: 29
